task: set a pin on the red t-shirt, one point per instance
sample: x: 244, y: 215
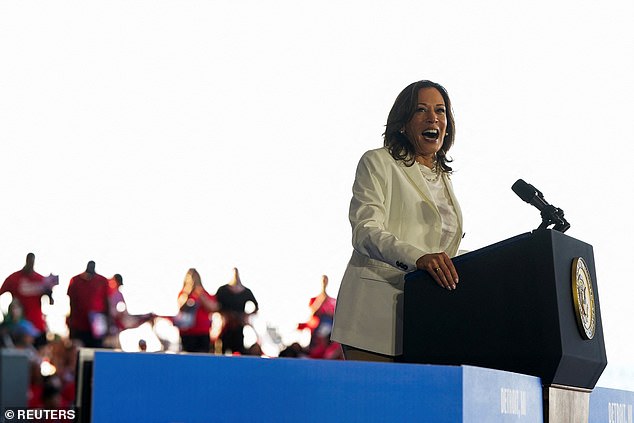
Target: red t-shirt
x: 27, y: 288
x: 326, y: 308
x: 86, y: 296
x: 202, y: 320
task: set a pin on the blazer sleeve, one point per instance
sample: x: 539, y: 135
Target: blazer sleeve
x: 369, y: 214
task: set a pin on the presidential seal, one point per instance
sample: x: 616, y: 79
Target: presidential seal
x: 583, y: 297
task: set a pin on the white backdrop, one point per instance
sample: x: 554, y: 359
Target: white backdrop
x: 154, y: 136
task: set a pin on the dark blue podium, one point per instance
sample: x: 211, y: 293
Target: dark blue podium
x: 513, y: 310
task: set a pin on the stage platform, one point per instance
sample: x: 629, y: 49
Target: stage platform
x: 611, y: 406
x: 148, y: 387
x: 188, y: 388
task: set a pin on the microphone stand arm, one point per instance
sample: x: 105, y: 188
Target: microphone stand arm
x: 552, y: 215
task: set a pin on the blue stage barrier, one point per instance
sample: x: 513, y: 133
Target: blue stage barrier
x: 611, y: 406
x: 190, y: 388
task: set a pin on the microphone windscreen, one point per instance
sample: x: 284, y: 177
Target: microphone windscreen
x: 525, y: 191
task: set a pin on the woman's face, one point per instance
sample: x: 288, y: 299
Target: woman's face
x: 427, y: 127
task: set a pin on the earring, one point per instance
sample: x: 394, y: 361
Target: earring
x: 402, y: 131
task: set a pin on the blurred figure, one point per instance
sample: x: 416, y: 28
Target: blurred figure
x: 322, y: 308
x: 293, y: 351
x: 61, y: 353
x: 255, y: 350
x: 15, y: 329
x: 237, y: 302
x: 52, y: 394
x: 193, y: 320
x: 88, y: 320
x: 142, y: 345
x: 119, y: 317
x: 28, y: 287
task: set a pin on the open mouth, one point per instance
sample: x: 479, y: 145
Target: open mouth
x: 431, y: 134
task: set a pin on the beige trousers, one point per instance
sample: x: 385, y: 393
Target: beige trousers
x: 356, y: 354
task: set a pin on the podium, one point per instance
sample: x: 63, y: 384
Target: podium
x: 516, y: 308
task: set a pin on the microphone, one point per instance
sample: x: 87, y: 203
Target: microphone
x: 530, y: 194
x: 550, y: 214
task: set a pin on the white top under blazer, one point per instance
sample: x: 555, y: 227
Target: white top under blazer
x: 394, y: 222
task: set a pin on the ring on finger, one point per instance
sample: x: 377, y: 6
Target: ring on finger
x: 437, y: 269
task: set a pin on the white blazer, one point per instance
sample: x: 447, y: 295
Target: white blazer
x: 394, y: 222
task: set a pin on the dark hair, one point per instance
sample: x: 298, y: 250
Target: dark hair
x: 401, y: 113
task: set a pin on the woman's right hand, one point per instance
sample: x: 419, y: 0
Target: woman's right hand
x: 441, y: 268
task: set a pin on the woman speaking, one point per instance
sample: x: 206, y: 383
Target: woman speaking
x: 404, y: 217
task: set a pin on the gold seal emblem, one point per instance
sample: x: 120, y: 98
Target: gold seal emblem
x: 583, y: 297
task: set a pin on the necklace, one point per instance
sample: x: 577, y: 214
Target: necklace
x: 424, y: 170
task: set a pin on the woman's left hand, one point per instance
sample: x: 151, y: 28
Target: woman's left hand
x: 440, y: 267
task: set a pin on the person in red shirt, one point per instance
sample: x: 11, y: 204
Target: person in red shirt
x: 28, y: 287
x: 322, y: 308
x: 88, y: 319
x: 193, y: 321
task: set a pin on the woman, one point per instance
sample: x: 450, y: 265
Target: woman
x: 237, y: 303
x: 322, y: 308
x: 193, y: 321
x: 404, y: 217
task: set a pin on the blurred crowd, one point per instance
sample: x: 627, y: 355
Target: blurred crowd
x: 206, y: 323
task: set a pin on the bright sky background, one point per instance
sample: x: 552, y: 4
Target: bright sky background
x: 154, y: 136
